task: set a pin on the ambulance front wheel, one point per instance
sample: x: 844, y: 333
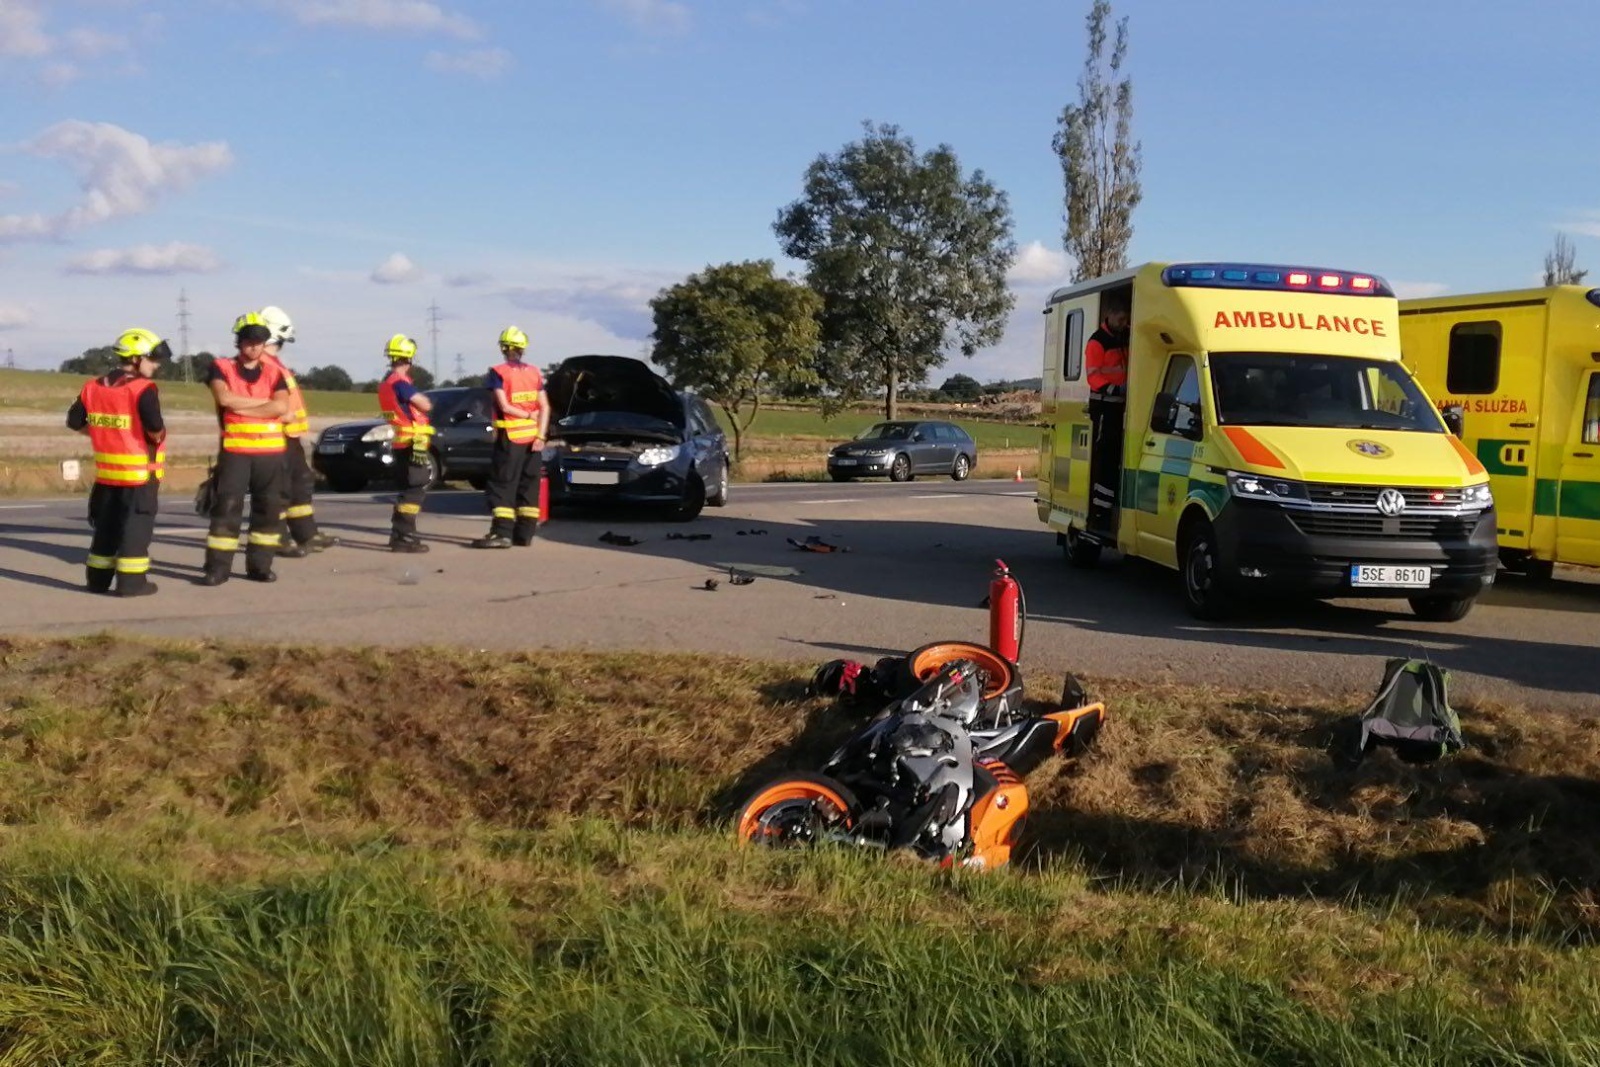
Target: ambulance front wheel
x: 1441, y: 608
x: 1204, y: 589
x: 1080, y: 551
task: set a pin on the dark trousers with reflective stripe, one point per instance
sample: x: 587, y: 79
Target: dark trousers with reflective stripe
x: 124, y: 518
x: 412, y: 481
x: 1105, y: 461
x: 261, y: 477
x: 514, y: 488
x: 300, y: 481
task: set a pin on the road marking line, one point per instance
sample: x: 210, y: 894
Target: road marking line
x: 938, y: 496
x: 840, y: 500
x: 22, y: 507
x: 1024, y: 492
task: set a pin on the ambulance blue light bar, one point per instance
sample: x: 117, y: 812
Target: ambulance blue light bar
x: 1270, y: 278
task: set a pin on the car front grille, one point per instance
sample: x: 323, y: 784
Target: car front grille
x: 1366, y: 496
x: 1410, y: 527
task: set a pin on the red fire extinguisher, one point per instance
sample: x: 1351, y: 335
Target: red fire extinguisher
x: 544, y: 495
x: 1007, y: 613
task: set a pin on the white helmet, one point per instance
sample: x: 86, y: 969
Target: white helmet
x: 277, y: 320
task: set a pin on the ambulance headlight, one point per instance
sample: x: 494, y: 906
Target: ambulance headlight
x: 1477, y: 496
x: 379, y: 433
x: 1260, y: 487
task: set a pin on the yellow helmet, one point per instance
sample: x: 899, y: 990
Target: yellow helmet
x: 400, y: 347
x: 142, y: 344
x: 251, y: 327
x: 511, y: 337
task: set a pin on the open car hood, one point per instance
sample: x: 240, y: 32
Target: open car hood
x: 585, y: 390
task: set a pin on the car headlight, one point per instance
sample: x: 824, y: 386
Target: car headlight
x: 657, y: 455
x: 1258, y: 487
x: 1477, y: 496
x: 379, y: 433
x: 877, y: 452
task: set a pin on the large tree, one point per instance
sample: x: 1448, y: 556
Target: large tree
x: 1099, y: 161
x: 734, y: 333
x: 332, y: 378
x: 94, y: 362
x: 909, y: 256
x: 1561, y: 264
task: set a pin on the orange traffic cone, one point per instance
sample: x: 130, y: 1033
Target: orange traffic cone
x: 1018, y: 478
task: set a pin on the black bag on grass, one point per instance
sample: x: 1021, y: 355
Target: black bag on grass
x: 1411, y: 713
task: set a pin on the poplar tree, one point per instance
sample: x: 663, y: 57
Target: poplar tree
x: 1561, y: 264
x: 1099, y: 161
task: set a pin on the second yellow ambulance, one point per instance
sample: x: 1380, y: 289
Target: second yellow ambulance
x: 1271, y: 442
x: 1521, y: 369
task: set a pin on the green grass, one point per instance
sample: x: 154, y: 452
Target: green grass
x: 808, y: 422
x: 233, y: 854
x: 28, y: 390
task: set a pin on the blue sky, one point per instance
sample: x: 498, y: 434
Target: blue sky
x: 556, y: 163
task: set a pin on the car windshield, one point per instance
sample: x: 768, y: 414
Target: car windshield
x: 445, y: 401
x: 886, y: 431
x: 1281, y: 389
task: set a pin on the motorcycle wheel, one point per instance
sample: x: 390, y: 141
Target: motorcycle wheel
x: 796, y: 809
x: 925, y: 662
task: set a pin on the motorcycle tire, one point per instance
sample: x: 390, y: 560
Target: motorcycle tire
x: 925, y: 662
x: 795, y: 810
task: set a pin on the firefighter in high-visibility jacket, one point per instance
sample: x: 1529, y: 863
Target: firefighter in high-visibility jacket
x: 299, y: 514
x: 406, y: 409
x: 252, y: 399
x: 522, y: 415
x: 121, y: 413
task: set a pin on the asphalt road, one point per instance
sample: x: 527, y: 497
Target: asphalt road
x: 918, y: 566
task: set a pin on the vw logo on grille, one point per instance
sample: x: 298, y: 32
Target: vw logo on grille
x: 1391, y: 502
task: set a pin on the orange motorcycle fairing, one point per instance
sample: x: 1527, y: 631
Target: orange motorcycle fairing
x: 996, y: 818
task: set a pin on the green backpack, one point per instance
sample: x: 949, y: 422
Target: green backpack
x: 1411, y: 713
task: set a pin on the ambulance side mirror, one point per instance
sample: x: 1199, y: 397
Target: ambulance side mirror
x: 1164, y: 415
x: 1454, y: 419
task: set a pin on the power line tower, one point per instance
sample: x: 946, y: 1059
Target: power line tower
x: 433, y: 326
x: 461, y: 367
x: 183, y: 334
x: 11, y: 359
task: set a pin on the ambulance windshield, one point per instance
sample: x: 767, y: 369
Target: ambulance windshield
x: 1283, y: 389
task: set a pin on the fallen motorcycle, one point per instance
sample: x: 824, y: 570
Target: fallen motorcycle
x: 937, y: 772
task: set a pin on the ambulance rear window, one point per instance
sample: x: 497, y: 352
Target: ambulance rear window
x: 1474, y: 365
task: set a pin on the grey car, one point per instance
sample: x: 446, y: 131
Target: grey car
x: 903, y: 449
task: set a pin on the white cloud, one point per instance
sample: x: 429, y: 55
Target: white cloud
x: 621, y: 306
x: 1418, y: 290
x: 14, y: 318
x: 485, y: 63
x: 173, y: 258
x: 1587, y: 226
x: 469, y: 279
x: 22, y: 33
x: 120, y: 172
x: 90, y: 43
x: 396, y: 270
x: 651, y: 16
x: 1038, y: 265
x: 414, y: 16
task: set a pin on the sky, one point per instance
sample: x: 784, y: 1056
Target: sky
x: 383, y: 166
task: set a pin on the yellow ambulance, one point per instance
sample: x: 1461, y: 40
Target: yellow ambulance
x: 1268, y: 441
x: 1521, y: 371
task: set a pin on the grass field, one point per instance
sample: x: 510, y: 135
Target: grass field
x: 225, y: 854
